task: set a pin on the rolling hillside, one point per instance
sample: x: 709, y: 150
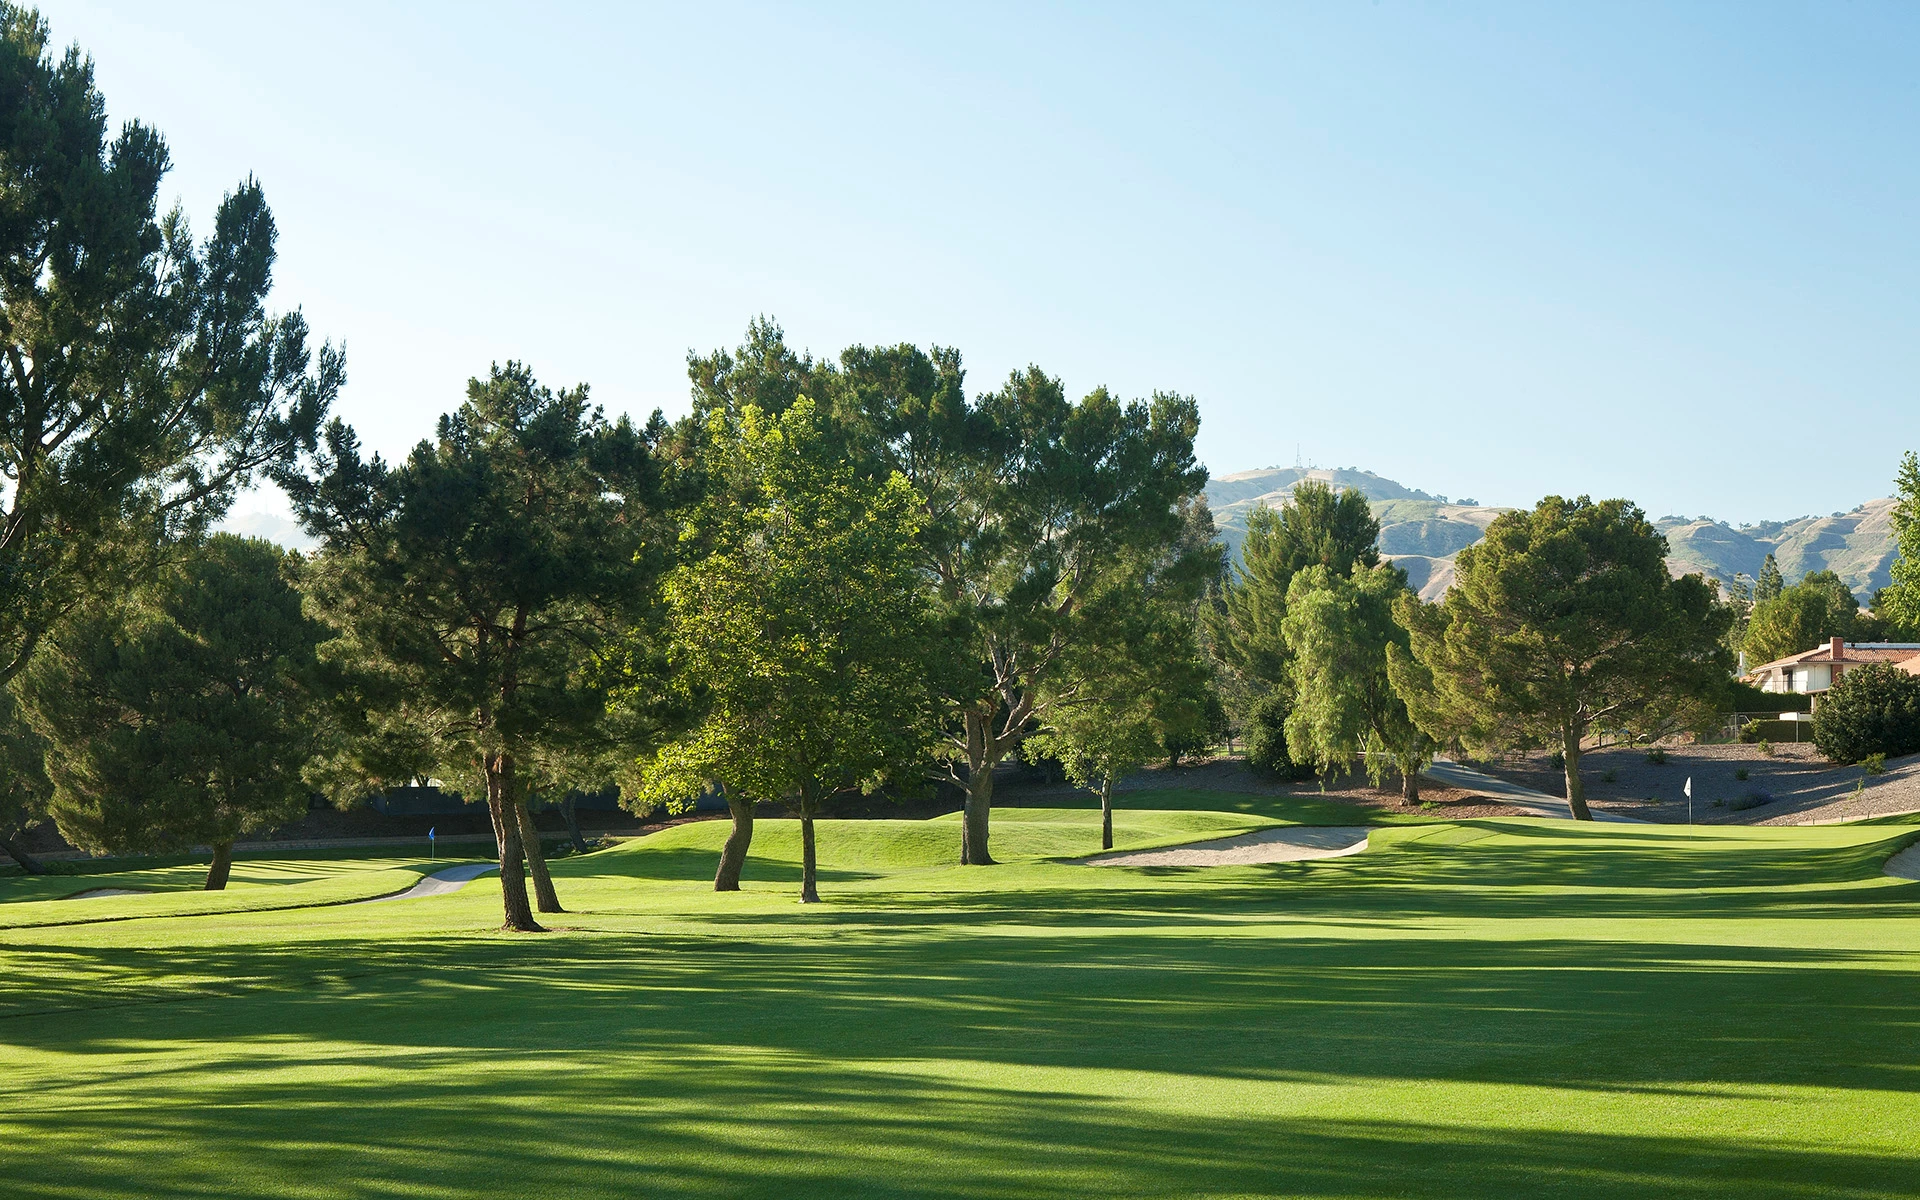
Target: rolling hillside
x: 1421, y: 533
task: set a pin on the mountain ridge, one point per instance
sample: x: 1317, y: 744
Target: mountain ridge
x: 1422, y: 533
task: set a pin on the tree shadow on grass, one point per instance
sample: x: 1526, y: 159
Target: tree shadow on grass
x: 1080, y: 1034
x: 1560, y: 1012
x: 700, y: 1123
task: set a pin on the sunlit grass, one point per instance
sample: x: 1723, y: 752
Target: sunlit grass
x: 176, y: 889
x: 1487, y: 1008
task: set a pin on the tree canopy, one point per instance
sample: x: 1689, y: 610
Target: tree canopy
x: 142, y: 380
x: 1801, y: 617
x: 1562, y: 620
x: 182, y: 716
x: 1899, y: 603
x: 24, y: 786
x: 1132, y: 694
x: 1315, y: 527
x: 483, y: 590
x: 799, y: 631
x: 1339, y: 629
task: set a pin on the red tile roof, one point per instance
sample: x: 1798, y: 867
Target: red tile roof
x: 1850, y: 654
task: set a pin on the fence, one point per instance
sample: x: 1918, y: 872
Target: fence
x: 1771, y: 726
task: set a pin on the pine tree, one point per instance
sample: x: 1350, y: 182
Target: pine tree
x: 1899, y: 604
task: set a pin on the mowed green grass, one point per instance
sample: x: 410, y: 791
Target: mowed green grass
x: 177, y: 888
x: 1489, y: 1008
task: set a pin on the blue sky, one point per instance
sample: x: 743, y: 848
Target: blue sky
x: 1666, y: 252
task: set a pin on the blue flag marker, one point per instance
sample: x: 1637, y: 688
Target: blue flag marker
x: 432, y: 850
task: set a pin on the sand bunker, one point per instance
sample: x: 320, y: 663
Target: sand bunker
x: 1906, y: 864
x: 1287, y: 844
x: 447, y: 879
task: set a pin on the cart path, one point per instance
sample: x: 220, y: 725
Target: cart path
x: 1540, y: 804
x: 439, y: 883
x: 1287, y: 843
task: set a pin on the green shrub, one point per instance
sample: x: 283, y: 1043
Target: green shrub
x: 1657, y: 757
x: 1267, y: 739
x: 1750, y: 732
x: 1873, y: 709
x: 1557, y: 761
x: 1766, y: 747
x: 1609, y: 775
x: 1874, y: 764
x: 1750, y: 699
x: 1740, y: 774
x: 1205, y: 727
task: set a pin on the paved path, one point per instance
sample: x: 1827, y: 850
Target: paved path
x: 1540, y: 804
x: 1289, y: 843
x: 439, y: 883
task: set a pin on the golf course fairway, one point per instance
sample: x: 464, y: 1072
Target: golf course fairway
x: 1514, y: 1008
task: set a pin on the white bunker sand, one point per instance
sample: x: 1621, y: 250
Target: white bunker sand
x: 446, y: 879
x: 1906, y: 864
x: 1290, y: 843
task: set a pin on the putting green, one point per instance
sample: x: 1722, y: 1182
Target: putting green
x: 1489, y: 1008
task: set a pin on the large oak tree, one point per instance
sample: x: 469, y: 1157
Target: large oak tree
x: 798, y: 630
x: 1032, y: 501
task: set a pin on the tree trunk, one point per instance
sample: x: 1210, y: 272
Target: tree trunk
x: 573, y: 824
x: 220, y: 867
x: 1409, y: 785
x: 545, y: 899
x: 809, y: 892
x: 1106, y: 812
x: 733, y: 855
x: 1576, y: 793
x: 506, y: 831
x: 973, y: 826
x: 28, y: 863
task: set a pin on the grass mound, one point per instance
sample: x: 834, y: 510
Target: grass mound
x: 174, y: 889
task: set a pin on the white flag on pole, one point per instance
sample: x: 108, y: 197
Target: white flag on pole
x: 1688, y: 789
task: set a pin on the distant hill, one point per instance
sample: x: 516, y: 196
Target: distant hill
x: 274, y: 529
x: 1857, y: 546
x: 1421, y: 533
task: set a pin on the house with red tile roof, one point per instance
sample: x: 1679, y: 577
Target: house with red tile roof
x: 1814, y: 671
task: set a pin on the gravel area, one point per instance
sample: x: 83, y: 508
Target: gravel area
x: 1291, y: 844
x: 1791, y: 786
